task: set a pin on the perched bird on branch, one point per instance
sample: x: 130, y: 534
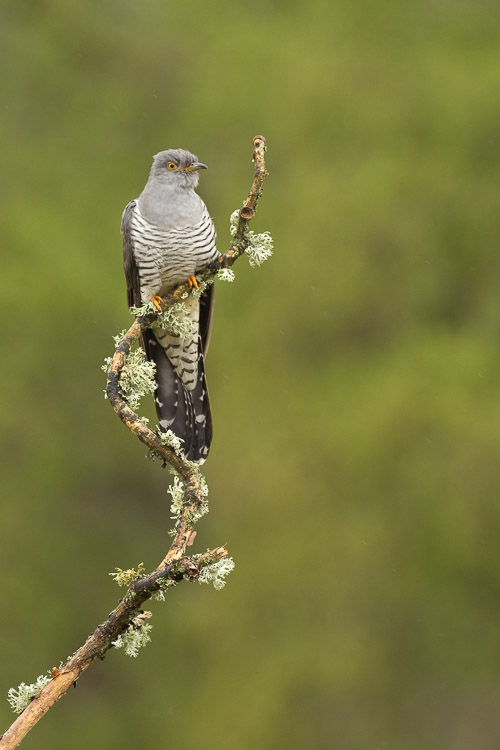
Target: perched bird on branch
x: 168, y: 237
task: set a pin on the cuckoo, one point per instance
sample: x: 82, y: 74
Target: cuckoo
x: 168, y: 237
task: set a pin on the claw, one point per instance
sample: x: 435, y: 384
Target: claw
x: 157, y: 302
x: 193, y: 283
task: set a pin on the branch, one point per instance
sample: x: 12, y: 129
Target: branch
x: 128, y: 616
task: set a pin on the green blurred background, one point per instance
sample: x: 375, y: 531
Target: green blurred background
x: 354, y: 378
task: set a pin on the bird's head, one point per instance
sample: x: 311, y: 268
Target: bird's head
x: 176, y: 167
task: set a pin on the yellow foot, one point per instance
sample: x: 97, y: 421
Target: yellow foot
x: 193, y: 283
x: 157, y: 302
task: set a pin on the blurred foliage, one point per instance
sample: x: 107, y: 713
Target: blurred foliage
x: 354, y: 378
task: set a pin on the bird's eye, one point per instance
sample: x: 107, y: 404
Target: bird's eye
x: 171, y: 165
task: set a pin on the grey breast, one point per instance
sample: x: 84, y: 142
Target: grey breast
x: 166, y: 257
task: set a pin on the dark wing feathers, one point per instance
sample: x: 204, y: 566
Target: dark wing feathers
x: 129, y: 264
x: 206, y: 311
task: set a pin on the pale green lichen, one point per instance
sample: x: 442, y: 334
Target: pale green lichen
x: 203, y: 284
x: 176, y: 491
x: 126, y: 577
x: 216, y: 572
x: 169, y: 439
x: 226, y: 274
x: 234, y: 220
x: 136, y: 636
x: 140, y: 312
x: 119, y: 337
x: 165, y: 583
x: 137, y: 378
x: 260, y: 248
x: 19, y: 698
x: 105, y: 367
x: 203, y: 508
x: 175, y: 319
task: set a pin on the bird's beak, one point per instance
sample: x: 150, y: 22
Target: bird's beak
x: 194, y: 167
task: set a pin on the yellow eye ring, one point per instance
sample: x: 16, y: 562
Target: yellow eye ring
x: 171, y: 165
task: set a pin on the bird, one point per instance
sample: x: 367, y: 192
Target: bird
x: 169, y: 237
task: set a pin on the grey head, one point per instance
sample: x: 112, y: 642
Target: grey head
x: 176, y: 166
x: 169, y: 199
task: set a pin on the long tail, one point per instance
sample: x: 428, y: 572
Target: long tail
x: 185, y: 412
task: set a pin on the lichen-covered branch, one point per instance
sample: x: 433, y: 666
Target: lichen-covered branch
x: 126, y: 626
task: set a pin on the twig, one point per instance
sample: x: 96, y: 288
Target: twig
x: 175, y: 566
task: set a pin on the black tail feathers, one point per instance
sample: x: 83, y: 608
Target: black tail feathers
x: 185, y: 412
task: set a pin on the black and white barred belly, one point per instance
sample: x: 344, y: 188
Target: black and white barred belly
x: 166, y: 257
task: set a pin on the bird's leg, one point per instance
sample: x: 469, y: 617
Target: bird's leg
x: 157, y: 302
x: 193, y: 283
